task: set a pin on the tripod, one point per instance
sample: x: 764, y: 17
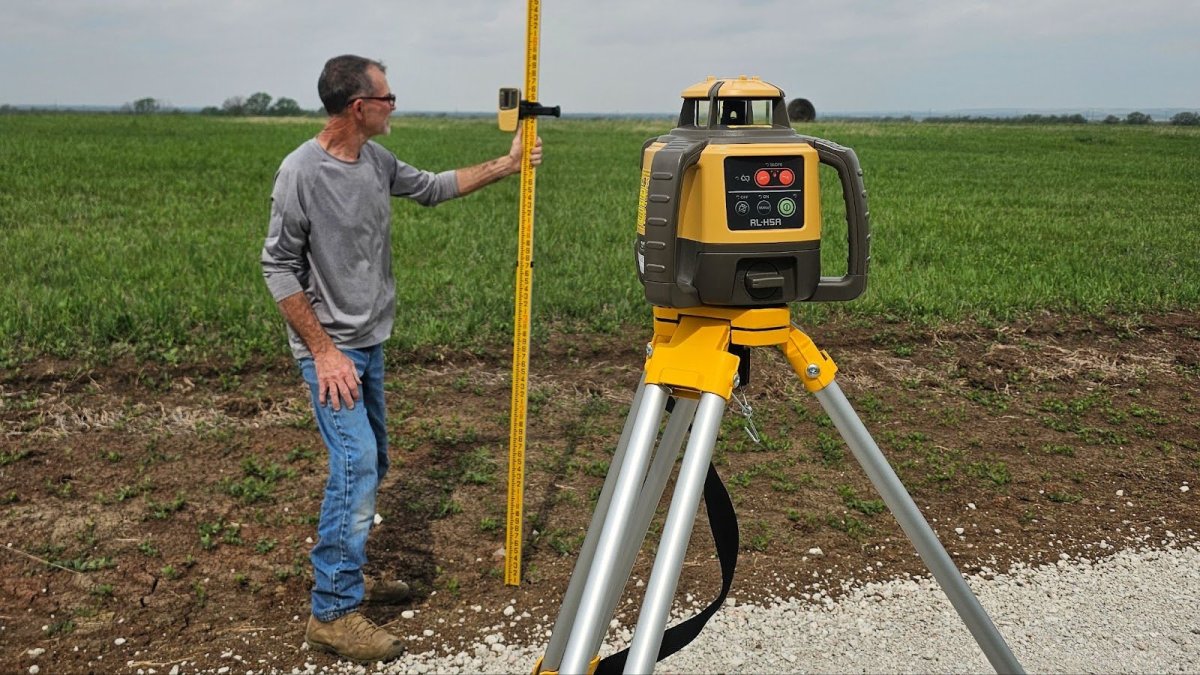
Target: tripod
x: 690, y: 359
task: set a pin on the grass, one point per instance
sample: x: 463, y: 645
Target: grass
x: 141, y: 234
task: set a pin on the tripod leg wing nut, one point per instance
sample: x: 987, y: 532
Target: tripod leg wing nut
x: 813, y: 365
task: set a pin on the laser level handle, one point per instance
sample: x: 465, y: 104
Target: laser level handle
x: 656, y: 252
x: 858, y: 227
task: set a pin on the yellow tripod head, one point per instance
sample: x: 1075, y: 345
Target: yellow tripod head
x: 729, y: 212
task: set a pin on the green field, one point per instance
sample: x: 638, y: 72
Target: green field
x: 140, y: 235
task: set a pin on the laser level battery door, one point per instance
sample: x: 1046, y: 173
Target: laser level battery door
x: 858, y: 226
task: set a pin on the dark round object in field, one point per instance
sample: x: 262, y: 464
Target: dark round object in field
x: 801, y: 110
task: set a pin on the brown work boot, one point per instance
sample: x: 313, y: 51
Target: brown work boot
x: 379, y: 592
x: 353, y: 637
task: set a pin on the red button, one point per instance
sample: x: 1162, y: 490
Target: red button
x: 787, y: 177
x: 762, y: 177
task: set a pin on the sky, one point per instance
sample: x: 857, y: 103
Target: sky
x: 613, y: 56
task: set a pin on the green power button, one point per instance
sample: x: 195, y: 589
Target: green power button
x: 786, y: 206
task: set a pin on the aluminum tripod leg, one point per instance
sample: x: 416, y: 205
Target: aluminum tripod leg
x: 566, y: 613
x: 660, y: 591
x: 918, y: 530
x: 652, y: 491
x: 590, y: 624
x: 651, y: 494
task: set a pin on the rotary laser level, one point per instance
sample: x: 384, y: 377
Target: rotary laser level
x: 729, y: 212
x: 729, y: 232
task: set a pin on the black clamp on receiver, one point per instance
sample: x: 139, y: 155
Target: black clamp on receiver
x: 514, y: 109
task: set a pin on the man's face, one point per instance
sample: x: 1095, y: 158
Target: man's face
x: 376, y: 113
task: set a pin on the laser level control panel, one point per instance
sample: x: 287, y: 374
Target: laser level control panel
x: 764, y: 193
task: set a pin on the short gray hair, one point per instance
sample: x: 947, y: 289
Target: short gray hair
x: 343, y: 78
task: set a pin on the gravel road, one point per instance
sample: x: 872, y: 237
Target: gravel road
x: 1134, y: 611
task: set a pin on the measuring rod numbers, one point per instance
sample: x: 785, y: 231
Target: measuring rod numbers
x: 763, y: 193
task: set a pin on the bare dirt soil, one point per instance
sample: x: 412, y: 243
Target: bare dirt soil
x: 158, y: 516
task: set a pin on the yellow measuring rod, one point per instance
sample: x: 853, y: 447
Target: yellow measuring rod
x: 513, y: 109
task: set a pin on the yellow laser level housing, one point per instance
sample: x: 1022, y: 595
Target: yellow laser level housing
x: 729, y: 211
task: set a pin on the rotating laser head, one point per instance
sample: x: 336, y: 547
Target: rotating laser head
x: 729, y: 208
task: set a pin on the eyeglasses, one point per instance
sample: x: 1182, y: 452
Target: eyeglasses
x: 390, y: 99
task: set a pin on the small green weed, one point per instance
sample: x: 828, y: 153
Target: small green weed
x: 852, y: 526
x: 595, y: 469
x: 563, y: 543
x: 59, y: 628
x: 85, y: 563
x: 1060, y: 497
x: 996, y: 472
x: 7, y: 458
x: 865, y: 506
x: 994, y: 401
x: 126, y: 492
x: 805, y: 521
x: 741, y: 479
x: 201, y: 594
x: 758, y: 536
x: 298, y: 454
x: 478, y: 467
x: 1056, y: 449
x: 163, y: 511
x: 829, y: 449
x: 258, y: 481
x: 447, y: 507
x: 212, y: 534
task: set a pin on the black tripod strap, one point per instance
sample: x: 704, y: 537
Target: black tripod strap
x: 723, y: 522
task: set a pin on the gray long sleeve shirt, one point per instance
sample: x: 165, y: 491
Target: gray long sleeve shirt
x: 330, y: 237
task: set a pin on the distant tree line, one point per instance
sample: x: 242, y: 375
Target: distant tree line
x: 1184, y: 119
x: 146, y: 106
x: 258, y: 104
x: 802, y: 110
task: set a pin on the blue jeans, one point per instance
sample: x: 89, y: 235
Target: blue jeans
x: 356, y: 439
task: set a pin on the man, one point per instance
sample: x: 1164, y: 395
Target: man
x: 327, y: 262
